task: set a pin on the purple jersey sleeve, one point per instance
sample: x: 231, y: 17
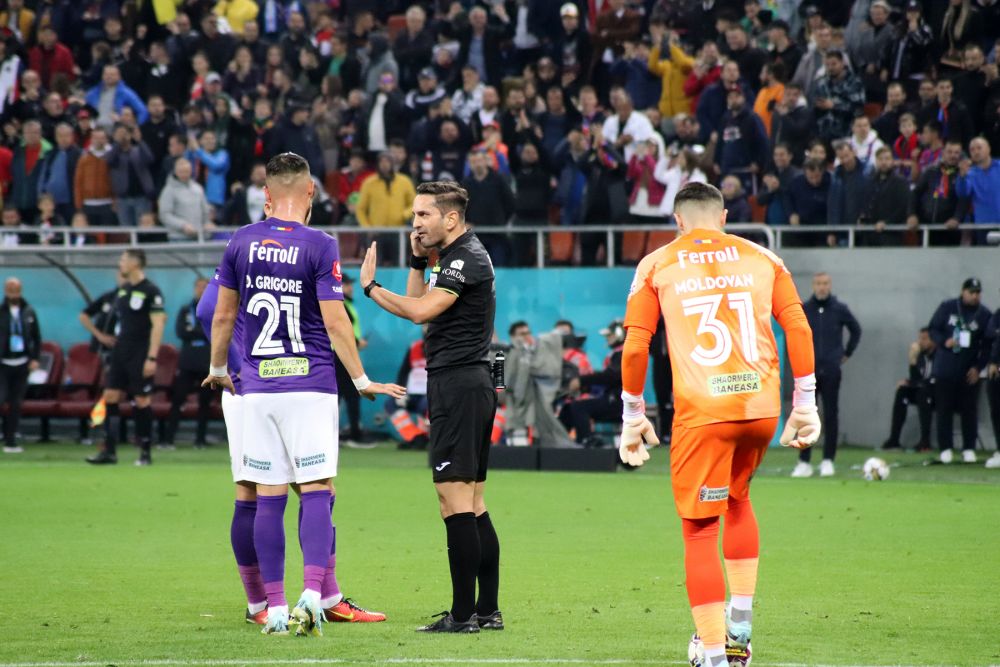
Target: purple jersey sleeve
x: 205, y: 312
x: 329, y: 279
x: 226, y: 274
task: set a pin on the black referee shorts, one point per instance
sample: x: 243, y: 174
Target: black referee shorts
x: 125, y: 371
x: 462, y: 403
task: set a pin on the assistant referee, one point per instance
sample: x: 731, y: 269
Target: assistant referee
x: 458, y: 304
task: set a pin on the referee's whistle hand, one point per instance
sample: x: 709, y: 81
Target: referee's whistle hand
x: 215, y: 382
x: 368, y: 266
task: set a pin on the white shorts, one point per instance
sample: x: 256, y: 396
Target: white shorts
x: 232, y: 413
x: 290, y: 437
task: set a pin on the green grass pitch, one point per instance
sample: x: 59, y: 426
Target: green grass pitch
x: 123, y: 565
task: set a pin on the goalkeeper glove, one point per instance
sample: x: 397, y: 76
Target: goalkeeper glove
x: 803, y: 427
x: 637, y: 431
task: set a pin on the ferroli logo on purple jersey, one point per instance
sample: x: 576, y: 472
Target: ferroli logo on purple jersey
x: 270, y: 250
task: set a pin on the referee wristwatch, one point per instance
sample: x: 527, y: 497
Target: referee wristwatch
x: 150, y: 358
x: 370, y: 286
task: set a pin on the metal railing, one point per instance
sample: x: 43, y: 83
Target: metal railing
x: 202, y: 250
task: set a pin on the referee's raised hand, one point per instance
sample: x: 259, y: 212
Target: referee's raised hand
x: 369, y: 265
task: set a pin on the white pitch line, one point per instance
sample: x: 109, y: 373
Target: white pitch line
x: 231, y: 662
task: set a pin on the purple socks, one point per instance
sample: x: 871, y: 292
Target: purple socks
x: 241, y: 537
x: 316, y: 537
x: 269, y: 542
x: 331, y: 589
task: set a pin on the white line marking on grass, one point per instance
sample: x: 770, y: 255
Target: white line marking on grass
x: 227, y: 662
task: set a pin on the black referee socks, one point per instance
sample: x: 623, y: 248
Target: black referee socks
x: 112, y: 424
x: 489, y: 566
x: 463, y: 558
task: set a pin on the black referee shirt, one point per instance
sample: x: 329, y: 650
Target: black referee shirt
x: 460, y: 336
x: 103, y: 313
x: 134, y: 305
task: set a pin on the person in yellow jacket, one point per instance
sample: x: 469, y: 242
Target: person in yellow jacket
x: 237, y: 13
x: 386, y: 197
x: 672, y: 69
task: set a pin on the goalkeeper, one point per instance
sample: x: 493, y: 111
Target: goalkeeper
x: 716, y: 294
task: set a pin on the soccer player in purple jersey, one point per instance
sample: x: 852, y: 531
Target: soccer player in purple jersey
x: 285, y: 279
x: 336, y: 607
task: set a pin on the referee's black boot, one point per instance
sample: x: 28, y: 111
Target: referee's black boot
x: 492, y: 622
x: 103, y: 457
x: 447, y: 623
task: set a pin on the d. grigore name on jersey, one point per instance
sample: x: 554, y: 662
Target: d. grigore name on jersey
x: 270, y: 250
x: 275, y: 283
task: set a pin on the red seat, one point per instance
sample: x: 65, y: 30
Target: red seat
x: 633, y: 246
x: 561, y: 246
x: 41, y: 401
x: 79, y: 389
x: 395, y: 25
x: 657, y: 240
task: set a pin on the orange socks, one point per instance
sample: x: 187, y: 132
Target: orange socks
x: 706, y: 585
x: 741, y: 547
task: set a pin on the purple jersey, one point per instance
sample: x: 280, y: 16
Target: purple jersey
x: 205, y: 312
x: 282, y: 271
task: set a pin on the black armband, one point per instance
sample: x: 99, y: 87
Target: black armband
x: 369, y: 287
x: 418, y: 263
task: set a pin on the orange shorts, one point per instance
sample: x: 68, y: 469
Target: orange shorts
x: 711, y: 464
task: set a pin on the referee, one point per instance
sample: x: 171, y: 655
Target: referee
x: 458, y: 304
x: 139, y: 306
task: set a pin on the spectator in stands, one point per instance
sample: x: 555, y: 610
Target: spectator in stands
x: 916, y: 389
x: 294, y: 134
x: 678, y: 170
x: 570, y: 48
x: 735, y: 199
x: 868, y: 40
x: 775, y: 194
x: 183, y: 208
x: 497, y: 152
x: 705, y: 71
x: 792, y: 123
x: 28, y: 102
x: 930, y: 146
x: 53, y: 113
x: 26, y: 169
x: 379, y: 61
x: 908, y: 54
x: 743, y: 148
x: 973, y: 82
x: 749, y: 58
x: 237, y: 13
x: 813, y: 64
x: 784, y: 49
x: 626, y: 127
x: 19, y: 20
x: 808, y: 196
x: 906, y: 147
x: 960, y: 25
x: 152, y: 232
x: 849, y: 186
x: 50, y: 58
x: 219, y: 47
x: 491, y: 204
x: 111, y: 95
x: 130, y: 162
x: 886, y: 124
x: 772, y: 79
x: 194, y: 356
x: 351, y: 177
x: 555, y: 123
x: 828, y: 318
x: 426, y: 94
x: 935, y: 199
x: 887, y: 201
x: 480, y: 42
x: 713, y: 103
x: 10, y: 238
x: 19, y: 353
x: 246, y: 205
x: 956, y: 123
x: 413, y: 46
x: 468, y: 99
x: 632, y: 72
x: 46, y: 218
x: 158, y: 129
x: 979, y: 180
x: 386, y: 198
x: 10, y: 67
x: 59, y: 169
x: 211, y: 165
x: 534, y: 186
x: 387, y: 116
x: 668, y: 61
x: 92, y: 182
x: 647, y: 193
x: 864, y: 140
x: 958, y: 328
x: 840, y: 97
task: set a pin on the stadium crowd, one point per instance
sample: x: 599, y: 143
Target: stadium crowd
x: 158, y: 114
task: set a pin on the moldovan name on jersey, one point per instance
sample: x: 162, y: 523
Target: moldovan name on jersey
x: 705, y: 283
x: 720, y: 256
x: 270, y: 250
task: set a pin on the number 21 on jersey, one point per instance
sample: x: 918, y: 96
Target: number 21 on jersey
x: 707, y: 308
x: 273, y: 308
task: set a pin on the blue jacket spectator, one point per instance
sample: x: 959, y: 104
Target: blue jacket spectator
x: 294, y: 135
x: 211, y: 165
x: 58, y: 170
x: 712, y: 103
x: 632, y: 70
x: 981, y: 182
x: 848, y: 188
x: 743, y: 140
x: 808, y: 194
x: 109, y: 96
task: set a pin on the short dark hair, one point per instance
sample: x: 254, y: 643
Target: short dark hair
x: 560, y: 323
x: 698, y: 193
x: 925, y: 330
x: 515, y: 326
x: 835, y: 53
x: 138, y: 254
x: 287, y: 164
x: 812, y: 164
x: 934, y: 126
x: 448, y: 196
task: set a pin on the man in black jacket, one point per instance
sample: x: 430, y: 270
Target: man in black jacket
x: 959, y: 328
x: 917, y: 390
x: 888, y: 199
x: 413, y: 47
x: 491, y: 204
x: 828, y: 317
x: 792, y: 123
x: 934, y: 200
x: 608, y: 405
x: 19, y: 352
x: 194, y: 357
x: 295, y: 135
x: 479, y: 42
